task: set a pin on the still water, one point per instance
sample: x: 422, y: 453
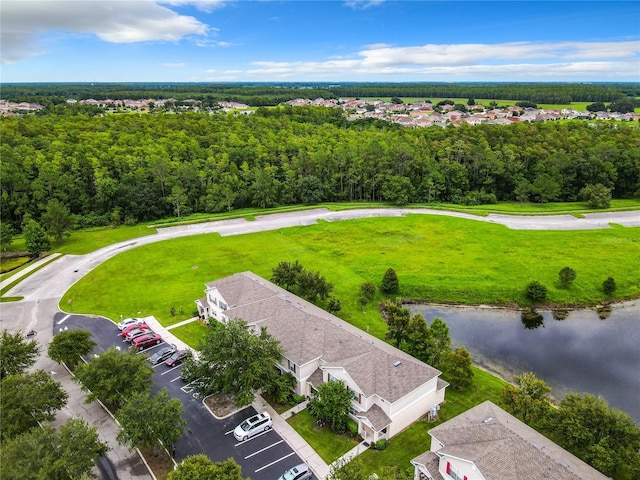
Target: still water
x: 581, y: 353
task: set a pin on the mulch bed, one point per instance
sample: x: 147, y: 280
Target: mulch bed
x: 221, y: 404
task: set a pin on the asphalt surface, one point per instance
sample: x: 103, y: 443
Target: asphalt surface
x: 43, y: 290
x: 263, y: 457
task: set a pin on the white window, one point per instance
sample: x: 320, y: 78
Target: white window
x: 292, y: 366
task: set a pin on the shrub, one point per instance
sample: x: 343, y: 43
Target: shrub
x: 390, y: 282
x: 536, y: 292
x: 567, y: 276
x: 609, y: 286
x: 352, y: 426
x: 380, y: 444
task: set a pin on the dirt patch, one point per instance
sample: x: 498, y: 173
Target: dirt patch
x: 161, y: 465
x: 221, y: 404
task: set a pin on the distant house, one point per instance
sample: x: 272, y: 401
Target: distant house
x: 390, y: 389
x: 487, y: 443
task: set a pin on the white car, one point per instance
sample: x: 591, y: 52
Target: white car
x: 252, y: 426
x: 128, y: 321
x: 299, y: 472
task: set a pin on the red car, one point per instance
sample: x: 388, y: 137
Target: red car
x: 177, y: 358
x: 147, y: 340
x: 126, y: 330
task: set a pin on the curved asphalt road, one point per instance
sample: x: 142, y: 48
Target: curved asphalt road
x: 43, y: 290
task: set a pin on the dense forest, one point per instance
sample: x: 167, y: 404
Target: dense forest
x: 141, y: 167
x: 263, y: 94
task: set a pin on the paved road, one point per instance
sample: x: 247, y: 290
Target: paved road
x: 43, y: 289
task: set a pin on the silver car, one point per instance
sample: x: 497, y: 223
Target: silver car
x: 162, y: 354
x: 299, y: 472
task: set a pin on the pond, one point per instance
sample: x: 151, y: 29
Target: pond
x: 582, y: 353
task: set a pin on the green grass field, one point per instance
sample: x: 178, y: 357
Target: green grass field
x: 438, y: 259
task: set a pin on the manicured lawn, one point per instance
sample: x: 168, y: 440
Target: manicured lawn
x: 326, y: 443
x: 191, y: 333
x: 438, y: 259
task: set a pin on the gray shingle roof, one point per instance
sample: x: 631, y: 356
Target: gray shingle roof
x: 431, y: 462
x: 504, y: 448
x: 377, y: 417
x: 307, y: 332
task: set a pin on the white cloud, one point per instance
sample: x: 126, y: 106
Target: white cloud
x: 210, y: 70
x: 174, y: 65
x: 23, y: 21
x: 363, y: 4
x: 549, y: 61
x: 203, y: 5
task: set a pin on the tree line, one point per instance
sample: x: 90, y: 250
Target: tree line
x: 106, y: 170
x: 262, y: 94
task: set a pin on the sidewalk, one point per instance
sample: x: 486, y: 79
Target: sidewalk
x: 295, y: 441
x: 126, y: 462
x: 164, y: 332
x: 24, y: 272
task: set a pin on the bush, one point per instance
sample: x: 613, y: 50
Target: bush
x: 380, y: 444
x: 567, y: 276
x: 536, y: 292
x: 609, y: 286
x: 390, y: 282
x: 352, y: 426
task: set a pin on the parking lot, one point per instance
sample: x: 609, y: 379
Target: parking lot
x: 264, y: 456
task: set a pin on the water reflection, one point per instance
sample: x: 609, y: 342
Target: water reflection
x: 580, y: 354
x: 531, y: 319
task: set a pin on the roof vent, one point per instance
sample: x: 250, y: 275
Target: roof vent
x: 397, y: 363
x: 487, y: 420
x: 563, y: 463
x: 537, y: 445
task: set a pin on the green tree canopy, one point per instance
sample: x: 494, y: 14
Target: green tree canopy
x: 397, y: 320
x: 457, y: 369
x: 596, y: 196
x: 331, y: 404
x: 606, y: 438
x: 234, y: 360
x: 390, y: 282
x: 357, y: 469
x: 17, y: 353
x: 28, y: 399
x: 536, y: 291
x: 161, y: 420
x: 35, y: 237
x: 57, y: 220
x: 567, y: 276
x: 439, y: 342
x: 68, y: 346
x: 528, y: 399
x: 199, y: 467
x: 44, y: 453
x: 115, y: 376
x: 6, y: 236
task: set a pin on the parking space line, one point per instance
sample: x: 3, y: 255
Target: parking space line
x: 148, y: 349
x: 265, y: 448
x: 275, y: 461
x: 177, y: 378
x: 255, y: 436
x: 171, y: 370
x: 63, y: 319
x: 230, y: 431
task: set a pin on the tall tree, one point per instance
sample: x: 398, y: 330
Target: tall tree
x: 357, y: 469
x: 439, y: 342
x: 236, y: 361
x: 161, y: 421
x: 285, y: 274
x: 546, y: 187
x: 596, y: 196
x: 57, y: 220
x: 115, y: 376
x: 397, y: 320
x: 27, y: 400
x: 528, y: 399
x: 17, y: 353
x: 69, y: 346
x: 606, y: 438
x: 457, y: 368
x: 6, y: 236
x: 199, y: 467
x: 44, y: 453
x: 35, y: 237
x: 332, y: 403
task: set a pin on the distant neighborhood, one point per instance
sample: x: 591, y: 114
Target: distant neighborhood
x: 416, y: 114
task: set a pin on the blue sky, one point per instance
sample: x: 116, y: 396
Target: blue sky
x: 332, y: 40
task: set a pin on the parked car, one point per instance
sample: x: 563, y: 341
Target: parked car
x: 136, y: 333
x: 162, y: 354
x: 128, y: 321
x: 176, y: 358
x: 133, y: 326
x: 299, y: 472
x: 252, y: 426
x: 144, y: 341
